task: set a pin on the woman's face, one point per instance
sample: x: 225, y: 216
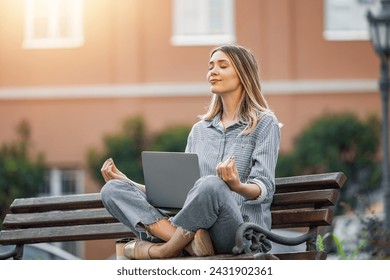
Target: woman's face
x: 222, y: 76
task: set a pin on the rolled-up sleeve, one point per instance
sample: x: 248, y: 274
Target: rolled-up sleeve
x: 264, y: 158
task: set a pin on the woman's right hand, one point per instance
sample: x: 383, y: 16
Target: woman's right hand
x: 110, y: 171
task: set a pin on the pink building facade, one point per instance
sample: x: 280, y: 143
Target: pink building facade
x: 76, y: 69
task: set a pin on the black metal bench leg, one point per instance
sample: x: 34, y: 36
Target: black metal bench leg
x: 311, y: 244
x: 19, y: 252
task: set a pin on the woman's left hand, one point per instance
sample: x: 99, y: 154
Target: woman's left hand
x: 227, y: 171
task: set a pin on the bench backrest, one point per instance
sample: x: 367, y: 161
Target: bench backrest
x: 299, y: 201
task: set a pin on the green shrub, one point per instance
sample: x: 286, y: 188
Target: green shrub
x: 125, y: 148
x: 172, y: 139
x: 339, y: 246
x: 335, y: 143
x: 21, y: 174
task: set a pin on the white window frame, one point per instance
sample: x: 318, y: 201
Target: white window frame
x: 56, y: 189
x: 55, y: 181
x: 346, y: 20
x: 181, y: 37
x: 54, y: 39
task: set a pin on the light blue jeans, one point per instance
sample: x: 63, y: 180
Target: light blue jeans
x: 209, y: 205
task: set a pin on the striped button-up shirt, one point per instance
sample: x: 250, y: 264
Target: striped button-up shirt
x: 255, y: 156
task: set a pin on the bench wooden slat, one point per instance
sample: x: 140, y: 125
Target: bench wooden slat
x: 88, y: 201
x: 308, y: 255
x: 314, y: 199
x: 85, y: 201
x: 52, y: 203
x: 280, y: 219
x: 301, y: 218
x: 310, y: 182
x: 58, y: 234
x: 58, y: 218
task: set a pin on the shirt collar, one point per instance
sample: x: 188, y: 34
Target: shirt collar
x: 217, y: 119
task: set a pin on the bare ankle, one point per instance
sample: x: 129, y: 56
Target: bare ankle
x: 162, y: 229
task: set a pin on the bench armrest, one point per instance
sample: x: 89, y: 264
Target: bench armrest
x: 260, y: 237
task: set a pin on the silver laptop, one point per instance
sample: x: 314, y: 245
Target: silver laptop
x: 168, y: 177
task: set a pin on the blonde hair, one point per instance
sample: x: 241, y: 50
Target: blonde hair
x: 252, y: 104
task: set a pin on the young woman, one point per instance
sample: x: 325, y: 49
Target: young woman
x: 237, y: 142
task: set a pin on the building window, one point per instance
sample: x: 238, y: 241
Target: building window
x: 53, y: 24
x: 63, y: 182
x: 346, y: 19
x: 203, y: 22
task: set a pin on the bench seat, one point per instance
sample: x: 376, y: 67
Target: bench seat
x: 304, y: 202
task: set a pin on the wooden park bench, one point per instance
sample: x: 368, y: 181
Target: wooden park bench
x: 304, y: 202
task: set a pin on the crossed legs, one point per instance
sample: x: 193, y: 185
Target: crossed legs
x: 208, y: 204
